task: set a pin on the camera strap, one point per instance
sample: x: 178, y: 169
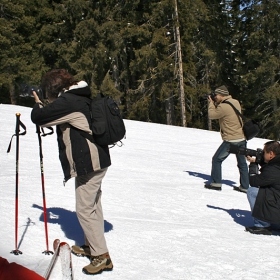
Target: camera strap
x: 250, y: 127
x: 239, y: 115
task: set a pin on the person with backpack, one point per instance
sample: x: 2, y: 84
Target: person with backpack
x: 69, y: 110
x: 231, y: 133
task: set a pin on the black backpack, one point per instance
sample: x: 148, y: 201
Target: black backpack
x: 107, y: 124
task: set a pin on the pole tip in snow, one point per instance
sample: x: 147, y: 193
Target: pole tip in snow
x: 16, y: 252
x: 47, y: 252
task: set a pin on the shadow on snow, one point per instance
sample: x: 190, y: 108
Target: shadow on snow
x: 241, y: 217
x: 207, y: 178
x: 68, y: 222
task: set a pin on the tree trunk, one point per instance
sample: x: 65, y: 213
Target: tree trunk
x: 169, y: 109
x: 13, y: 94
x: 180, y: 70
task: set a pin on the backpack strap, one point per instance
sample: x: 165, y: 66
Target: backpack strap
x: 86, y: 135
x: 239, y: 115
x: 83, y: 133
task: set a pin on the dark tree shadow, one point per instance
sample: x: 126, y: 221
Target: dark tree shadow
x: 207, y: 178
x: 68, y: 221
x: 241, y: 217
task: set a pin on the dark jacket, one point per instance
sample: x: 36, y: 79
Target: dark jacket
x: 267, y: 205
x: 70, y: 113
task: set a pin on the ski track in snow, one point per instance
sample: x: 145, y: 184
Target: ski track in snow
x: 160, y: 222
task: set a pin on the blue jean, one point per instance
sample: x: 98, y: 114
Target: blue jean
x: 252, y: 195
x: 218, y: 158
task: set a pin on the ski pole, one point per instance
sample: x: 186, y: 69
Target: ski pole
x: 17, y: 134
x: 47, y: 251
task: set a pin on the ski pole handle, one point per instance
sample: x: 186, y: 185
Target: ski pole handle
x: 17, y: 130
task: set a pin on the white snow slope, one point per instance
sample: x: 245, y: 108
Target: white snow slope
x: 160, y: 221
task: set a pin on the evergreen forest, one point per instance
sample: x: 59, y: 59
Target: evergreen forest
x: 158, y: 59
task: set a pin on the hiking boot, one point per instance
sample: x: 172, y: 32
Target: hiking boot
x: 240, y: 189
x: 83, y: 250
x: 99, y: 264
x: 212, y: 187
x: 259, y: 230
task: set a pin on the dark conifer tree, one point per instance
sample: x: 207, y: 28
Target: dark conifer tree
x: 129, y: 49
x: 259, y: 81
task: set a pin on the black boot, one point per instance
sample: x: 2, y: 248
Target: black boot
x: 259, y: 230
x: 212, y: 187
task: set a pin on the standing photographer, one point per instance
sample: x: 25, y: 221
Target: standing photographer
x: 264, y: 194
x: 80, y: 158
x: 232, y: 133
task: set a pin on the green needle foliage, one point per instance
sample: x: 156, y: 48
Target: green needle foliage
x: 128, y: 49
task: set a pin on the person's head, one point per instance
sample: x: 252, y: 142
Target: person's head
x: 221, y: 93
x: 55, y: 81
x: 271, y: 150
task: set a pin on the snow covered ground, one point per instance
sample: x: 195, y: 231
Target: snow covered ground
x: 160, y: 221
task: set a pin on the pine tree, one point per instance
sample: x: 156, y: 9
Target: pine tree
x: 201, y: 40
x: 20, y: 57
x: 128, y: 49
x: 260, y: 64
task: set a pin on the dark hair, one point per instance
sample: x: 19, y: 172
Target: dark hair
x: 272, y: 146
x: 54, y: 81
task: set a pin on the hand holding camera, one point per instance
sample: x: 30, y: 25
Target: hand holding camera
x: 33, y: 91
x: 250, y: 159
x: 210, y: 97
x: 37, y: 100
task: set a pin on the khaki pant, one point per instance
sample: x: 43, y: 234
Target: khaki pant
x: 89, y: 210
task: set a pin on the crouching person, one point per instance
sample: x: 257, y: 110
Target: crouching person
x: 264, y: 194
x: 80, y: 158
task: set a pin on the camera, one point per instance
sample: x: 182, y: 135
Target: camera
x: 234, y: 149
x: 212, y: 96
x: 26, y: 91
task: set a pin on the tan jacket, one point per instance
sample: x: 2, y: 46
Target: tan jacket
x: 230, y: 127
